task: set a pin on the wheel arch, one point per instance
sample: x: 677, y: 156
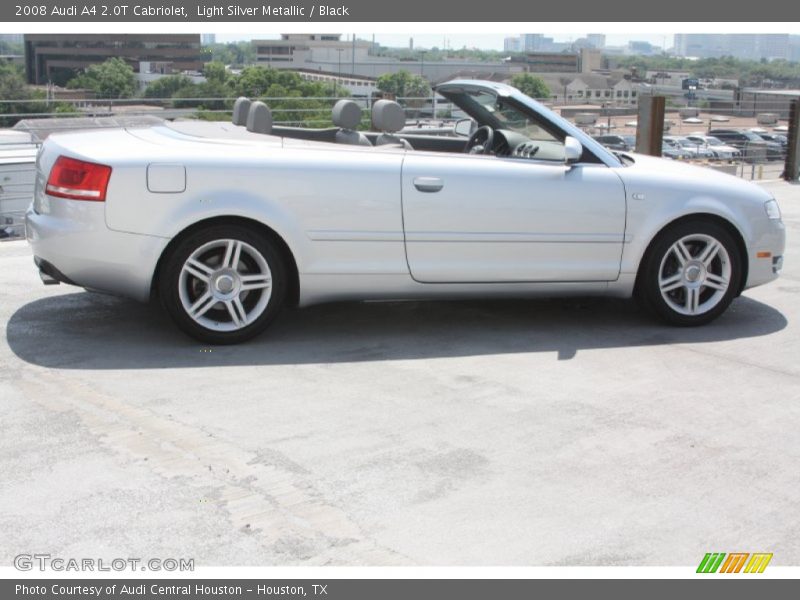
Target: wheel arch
x: 737, y: 236
x: 293, y: 291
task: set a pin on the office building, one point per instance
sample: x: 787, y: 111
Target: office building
x: 57, y: 58
x: 747, y: 46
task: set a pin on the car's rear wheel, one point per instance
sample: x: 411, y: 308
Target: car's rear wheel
x: 223, y: 284
x: 691, y: 273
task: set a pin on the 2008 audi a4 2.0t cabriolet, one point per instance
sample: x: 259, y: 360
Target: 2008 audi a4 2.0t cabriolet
x: 226, y: 223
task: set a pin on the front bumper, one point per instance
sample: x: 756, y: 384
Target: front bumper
x: 72, y: 244
x: 765, y: 255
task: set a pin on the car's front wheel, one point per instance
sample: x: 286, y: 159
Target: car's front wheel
x: 223, y: 284
x: 691, y: 273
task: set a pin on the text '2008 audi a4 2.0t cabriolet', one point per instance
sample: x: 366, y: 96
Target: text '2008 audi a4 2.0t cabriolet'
x: 227, y: 223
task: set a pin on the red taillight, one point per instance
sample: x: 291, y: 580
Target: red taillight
x: 78, y: 179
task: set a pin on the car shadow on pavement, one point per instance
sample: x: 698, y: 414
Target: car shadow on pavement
x: 92, y: 331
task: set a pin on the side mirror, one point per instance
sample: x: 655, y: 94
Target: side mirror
x: 464, y: 127
x: 573, y: 150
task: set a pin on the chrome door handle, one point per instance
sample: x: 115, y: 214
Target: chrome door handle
x: 428, y: 184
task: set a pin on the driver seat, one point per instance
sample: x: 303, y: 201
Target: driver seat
x: 388, y: 117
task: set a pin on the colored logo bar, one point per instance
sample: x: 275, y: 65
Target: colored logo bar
x: 735, y: 562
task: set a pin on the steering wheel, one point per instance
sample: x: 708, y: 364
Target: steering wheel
x: 481, y: 141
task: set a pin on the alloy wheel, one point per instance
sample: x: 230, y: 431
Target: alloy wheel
x: 694, y: 274
x: 225, y: 285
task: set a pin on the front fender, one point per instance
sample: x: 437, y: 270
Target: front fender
x: 661, y: 192
x: 646, y: 221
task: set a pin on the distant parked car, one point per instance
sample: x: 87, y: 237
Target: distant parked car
x: 694, y: 149
x: 774, y: 137
x: 675, y: 152
x: 742, y: 139
x: 719, y: 148
x: 616, y: 142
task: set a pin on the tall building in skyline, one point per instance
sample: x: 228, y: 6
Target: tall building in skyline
x: 794, y: 47
x: 208, y: 38
x: 512, y: 44
x: 538, y: 42
x: 597, y: 40
x: 750, y: 46
x: 534, y: 42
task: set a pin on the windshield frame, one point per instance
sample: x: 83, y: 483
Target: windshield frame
x: 456, y: 92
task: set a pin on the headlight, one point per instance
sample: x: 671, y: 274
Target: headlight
x: 773, y: 210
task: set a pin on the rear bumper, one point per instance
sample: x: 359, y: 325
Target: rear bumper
x: 72, y: 244
x: 49, y: 274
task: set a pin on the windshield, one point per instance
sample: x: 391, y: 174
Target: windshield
x: 510, y: 117
x: 712, y: 141
x: 503, y: 107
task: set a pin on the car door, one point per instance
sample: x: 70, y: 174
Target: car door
x: 485, y: 219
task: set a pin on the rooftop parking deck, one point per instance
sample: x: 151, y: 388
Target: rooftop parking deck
x: 472, y: 433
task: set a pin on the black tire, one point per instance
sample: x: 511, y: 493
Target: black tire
x: 178, y: 288
x: 661, y: 266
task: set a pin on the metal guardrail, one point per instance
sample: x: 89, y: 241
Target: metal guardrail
x: 171, y: 108
x: 751, y: 171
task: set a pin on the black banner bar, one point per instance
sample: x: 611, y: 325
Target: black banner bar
x: 266, y: 11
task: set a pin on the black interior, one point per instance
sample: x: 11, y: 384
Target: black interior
x: 435, y: 143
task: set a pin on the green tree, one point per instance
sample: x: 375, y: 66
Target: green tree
x: 165, y: 87
x: 12, y: 83
x: 64, y: 108
x: 215, y: 73
x: 113, y: 78
x: 19, y: 98
x: 531, y: 85
x: 254, y: 81
x: 437, y: 54
x: 404, y: 85
x: 221, y: 53
x: 11, y: 47
x: 747, y: 72
x: 209, y: 95
x: 234, y: 53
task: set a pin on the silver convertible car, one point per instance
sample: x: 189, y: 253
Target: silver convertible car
x: 227, y: 223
